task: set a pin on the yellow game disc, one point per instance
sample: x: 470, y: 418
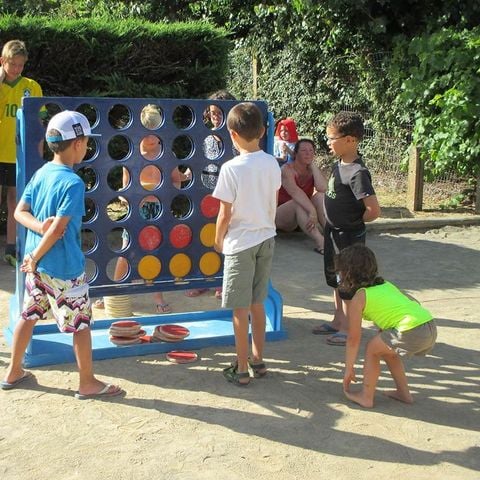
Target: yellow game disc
x: 207, y: 234
x: 180, y: 265
x: 210, y: 263
x: 149, y: 267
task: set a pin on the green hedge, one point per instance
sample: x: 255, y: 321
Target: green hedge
x: 128, y: 58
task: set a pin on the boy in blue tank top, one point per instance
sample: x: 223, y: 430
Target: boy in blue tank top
x: 51, y: 208
x: 405, y: 327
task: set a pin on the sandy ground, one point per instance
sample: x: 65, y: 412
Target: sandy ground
x: 186, y: 422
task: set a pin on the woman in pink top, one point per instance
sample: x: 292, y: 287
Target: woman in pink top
x: 300, y: 199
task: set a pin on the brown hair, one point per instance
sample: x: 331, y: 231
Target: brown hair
x: 348, y: 123
x: 57, y: 147
x: 357, y: 267
x: 246, y: 119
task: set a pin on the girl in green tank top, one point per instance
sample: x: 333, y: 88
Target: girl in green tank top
x: 405, y: 327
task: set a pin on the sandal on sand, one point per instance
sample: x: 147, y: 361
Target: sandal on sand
x: 324, y: 329
x: 259, y: 368
x: 108, y: 390
x: 339, y: 339
x: 231, y: 374
x: 11, y: 385
x: 164, y: 308
x: 99, y: 303
x: 319, y: 250
x: 196, y: 292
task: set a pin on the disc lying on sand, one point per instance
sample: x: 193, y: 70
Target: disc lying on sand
x: 181, y: 356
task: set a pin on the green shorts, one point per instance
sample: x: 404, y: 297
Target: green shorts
x: 246, y: 275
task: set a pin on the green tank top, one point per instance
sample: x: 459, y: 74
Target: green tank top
x: 388, y: 308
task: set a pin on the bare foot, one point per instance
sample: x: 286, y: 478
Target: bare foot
x: 396, y: 395
x: 359, y: 397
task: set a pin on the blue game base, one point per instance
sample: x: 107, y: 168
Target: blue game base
x: 207, y: 329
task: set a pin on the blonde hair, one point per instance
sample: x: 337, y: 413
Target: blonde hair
x: 151, y: 117
x: 14, y: 48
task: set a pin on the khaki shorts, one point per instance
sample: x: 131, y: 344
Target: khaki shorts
x: 417, y: 341
x: 68, y: 300
x: 246, y: 275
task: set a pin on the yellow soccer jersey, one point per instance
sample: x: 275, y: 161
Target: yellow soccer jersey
x: 10, y: 102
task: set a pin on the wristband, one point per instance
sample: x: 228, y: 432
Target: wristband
x: 32, y: 257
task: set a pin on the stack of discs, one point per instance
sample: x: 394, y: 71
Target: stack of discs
x: 127, y: 332
x: 170, y: 333
x: 118, y: 306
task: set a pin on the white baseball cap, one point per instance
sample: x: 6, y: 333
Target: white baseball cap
x: 71, y: 125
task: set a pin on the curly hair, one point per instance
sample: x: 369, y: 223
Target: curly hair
x: 348, y: 123
x: 357, y: 267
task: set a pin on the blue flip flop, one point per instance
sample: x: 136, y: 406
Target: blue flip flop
x: 338, y: 339
x: 11, y: 385
x: 324, y: 329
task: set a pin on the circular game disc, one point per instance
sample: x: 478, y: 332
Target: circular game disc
x: 149, y: 267
x: 150, y: 237
x: 180, y: 265
x: 181, y: 356
x: 210, y: 263
x: 180, y: 236
x: 174, y: 331
x: 125, y: 324
x: 209, y: 206
x: 207, y: 235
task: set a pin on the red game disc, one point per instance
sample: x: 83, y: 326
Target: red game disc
x: 125, y: 324
x: 209, y: 206
x: 181, y: 356
x: 173, y: 331
x: 150, y: 237
x: 180, y: 236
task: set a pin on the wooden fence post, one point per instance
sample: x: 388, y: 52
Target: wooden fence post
x: 254, y: 76
x: 415, y: 180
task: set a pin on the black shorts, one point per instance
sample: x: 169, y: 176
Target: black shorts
x: 335, y: 241
x: 8, y: 174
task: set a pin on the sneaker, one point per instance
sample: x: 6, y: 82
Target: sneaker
x: 10, y: 259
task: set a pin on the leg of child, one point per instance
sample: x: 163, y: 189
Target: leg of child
x: 88, y: 385
x: 376, y: 349
x: 395, y: 365
x: 11, y: 224
x: 240, y: 327
x: 258, y: 334
x: 21, y: 337
x: 339, y: 321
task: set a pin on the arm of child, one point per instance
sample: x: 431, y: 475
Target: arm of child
x: 372, y: 208
x: 221, y: 227
x: 22, y: 215
x: 354, y: 314
x: 52, y: 235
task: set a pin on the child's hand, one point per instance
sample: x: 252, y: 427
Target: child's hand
x: 29, y: 265
x: 218, y: 247
x: 348, y: 378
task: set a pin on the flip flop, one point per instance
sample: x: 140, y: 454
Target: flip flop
x: 324, y: 329
x: 11, y: 385
x: 196, y: 292
x: 164, y: 308
x: 338, y: 339
x: 319, y: 250
x: 104, y: 392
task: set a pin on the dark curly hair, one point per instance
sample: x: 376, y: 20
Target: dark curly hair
x: 348, y: 123
x: 357, y: 267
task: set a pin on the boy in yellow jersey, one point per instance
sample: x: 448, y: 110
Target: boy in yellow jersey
x: 12, y: 88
